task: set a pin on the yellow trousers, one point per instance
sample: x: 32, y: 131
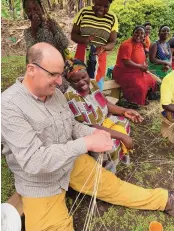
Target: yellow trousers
x: 51, y: 214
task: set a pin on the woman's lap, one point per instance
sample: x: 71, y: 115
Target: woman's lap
x: 135, y: 84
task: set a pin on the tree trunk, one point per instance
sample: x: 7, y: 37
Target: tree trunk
x: 80, y: 4
x: 49, y: 5
x: 71, y: 5
x: 61, y: 4
x: 88, y: 2
x: 11, y: 5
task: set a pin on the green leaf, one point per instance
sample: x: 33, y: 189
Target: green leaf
x: 13, y: 39
x: 5, y: 14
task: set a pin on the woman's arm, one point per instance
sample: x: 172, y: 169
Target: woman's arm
x: 111, y: 41
x: 30, y: 41
x: 130, y: 63
x: 171, y: 57
x: 127, y: 140
x: 114, y: 109
x: 172, y: 50
x: 169, y: 107
x: 152, y: 55
x: 110, y: 45
x: 128, y: 113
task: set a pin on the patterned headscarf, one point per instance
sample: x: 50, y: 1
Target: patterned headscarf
x: 72, y: 66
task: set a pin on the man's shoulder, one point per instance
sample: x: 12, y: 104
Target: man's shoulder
x: 59, y: 96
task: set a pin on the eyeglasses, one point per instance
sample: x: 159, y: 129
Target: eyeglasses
x: 55, y: 75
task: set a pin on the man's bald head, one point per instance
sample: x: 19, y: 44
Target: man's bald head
x: 40, y: 51
x: 45, y: 66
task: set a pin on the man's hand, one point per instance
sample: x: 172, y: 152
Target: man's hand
x: 99, y: 141
x: 133, y: 115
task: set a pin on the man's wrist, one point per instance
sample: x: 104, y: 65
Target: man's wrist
x: 88, y: 143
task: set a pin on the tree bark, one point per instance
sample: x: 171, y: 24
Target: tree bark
x: 61, y: 4
x: 71, y: 5
x: 11, y: 5
x: 80, y: 4
x: 88, y: 2
x: 49, y: 5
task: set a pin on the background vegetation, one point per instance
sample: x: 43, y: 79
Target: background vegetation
x: 129, y: 12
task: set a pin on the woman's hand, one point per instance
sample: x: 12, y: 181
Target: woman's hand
x: 100, y: 50
x: 87, y: 39
x: 35, y: 23
x: 127, y: 141
x: 133, y: 115
x: 143, y: 67
x: 165, y: 68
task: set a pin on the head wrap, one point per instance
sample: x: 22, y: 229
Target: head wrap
x: 72, y: 66
x: 161, y: 27
x: 138, y: 27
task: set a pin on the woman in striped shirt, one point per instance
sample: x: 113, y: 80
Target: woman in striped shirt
x: 95, y: 31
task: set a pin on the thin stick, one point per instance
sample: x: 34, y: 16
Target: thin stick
x: 83, y: 188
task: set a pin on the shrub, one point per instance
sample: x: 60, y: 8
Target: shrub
x: 136, y: 12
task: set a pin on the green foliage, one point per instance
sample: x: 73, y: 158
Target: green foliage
x: 5, y: 11
x: 131, y: 13
x: 12, y: 67
x: 11, y: 11
x: 7, y: 183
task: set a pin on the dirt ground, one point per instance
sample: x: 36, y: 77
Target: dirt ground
x: 152, y: 165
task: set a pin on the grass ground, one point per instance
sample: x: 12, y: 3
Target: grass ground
x: 152, y: 165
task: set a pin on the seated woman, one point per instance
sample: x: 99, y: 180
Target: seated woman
x: 130, y: 71
x: 160, y: 57
x: 44, y: 29
x: 90, y: 106
x: 167, y: 102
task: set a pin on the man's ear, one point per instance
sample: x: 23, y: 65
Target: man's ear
x: 30, y: 69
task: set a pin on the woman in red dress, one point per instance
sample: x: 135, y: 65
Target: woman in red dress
x: 130, y: 70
